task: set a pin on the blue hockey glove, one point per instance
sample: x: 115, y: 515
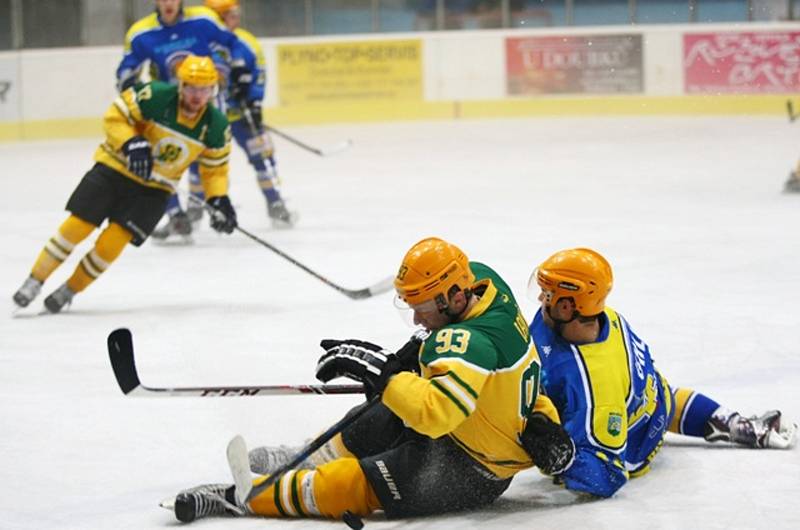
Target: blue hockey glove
x: 224, y: 218
x: 359, y: 360
x: 140, y: 157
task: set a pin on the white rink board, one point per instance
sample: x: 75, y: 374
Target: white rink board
x: 689, y: 211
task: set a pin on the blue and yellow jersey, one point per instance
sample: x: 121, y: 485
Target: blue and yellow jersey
x: 611, y: 400
x: 152, y: 111
x: 254, y: 60
x: 479, y: 380
x: 197, y: 31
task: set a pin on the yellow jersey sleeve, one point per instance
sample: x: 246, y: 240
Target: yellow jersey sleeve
x: 438, y: 403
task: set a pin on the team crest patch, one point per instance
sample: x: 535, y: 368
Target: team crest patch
x: 614, y: 424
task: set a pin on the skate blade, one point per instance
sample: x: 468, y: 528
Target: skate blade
x: 178, y: 241
x: 279, y: 224
x: 168, y: 504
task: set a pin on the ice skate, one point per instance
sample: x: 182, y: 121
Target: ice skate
x: 29, y: 290
x: 56, y: 301
x: 179, y: 225
x: 792, y: 183
x: 768, y: 431
x: 202, y: 501
x: 266, y: 460
x: 281, y: 216
x: 194, y: 212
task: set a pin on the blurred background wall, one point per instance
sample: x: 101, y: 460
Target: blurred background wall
x: 368, y: 60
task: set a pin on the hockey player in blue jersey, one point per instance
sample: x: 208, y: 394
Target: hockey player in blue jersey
x: 615, y: 407
x: 248, y: 131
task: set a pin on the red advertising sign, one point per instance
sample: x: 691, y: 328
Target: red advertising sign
x: 599, y: 64
x: 742, y: 63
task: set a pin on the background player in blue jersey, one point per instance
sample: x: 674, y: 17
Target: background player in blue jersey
x: 163, y: 40
x: 249, y: 133
x: 614, y: 405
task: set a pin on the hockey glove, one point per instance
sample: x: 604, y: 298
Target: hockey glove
x: 140, y: 157
x: 361, y: 361
x: 241, y: 79
x: 224, y: 218
x: 549, y: 445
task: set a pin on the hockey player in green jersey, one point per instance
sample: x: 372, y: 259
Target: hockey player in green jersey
x: 445, y: 434
x: 153, y: 132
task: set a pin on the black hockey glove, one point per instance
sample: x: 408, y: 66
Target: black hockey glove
x: 549, y: 445
x: 241, y: 79
x: 140, y: 157
x: 255, y: 112
x: 224, y: 218
x: 362, y: 361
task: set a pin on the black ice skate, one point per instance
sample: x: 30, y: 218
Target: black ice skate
x: 281, y: 216
x: 202, y: 501
x: 56, y: 301
x: 768, y: 431
x: 29, y: 290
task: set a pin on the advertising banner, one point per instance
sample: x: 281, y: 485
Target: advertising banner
x: 742, y: 63
x: 598, y: 64
x: 9, y: 87
x: 385, y: 70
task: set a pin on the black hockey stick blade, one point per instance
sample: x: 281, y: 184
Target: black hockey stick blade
x: 120, y: 352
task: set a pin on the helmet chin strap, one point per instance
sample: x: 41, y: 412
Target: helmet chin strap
x: 559, y: 323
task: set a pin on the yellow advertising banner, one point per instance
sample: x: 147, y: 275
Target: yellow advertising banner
x: 330, y: 72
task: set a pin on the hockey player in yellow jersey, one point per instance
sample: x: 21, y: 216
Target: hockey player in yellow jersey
x: 153, y: 132
x: 445, y: 434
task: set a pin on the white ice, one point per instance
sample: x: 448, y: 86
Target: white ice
x: 689, y: 211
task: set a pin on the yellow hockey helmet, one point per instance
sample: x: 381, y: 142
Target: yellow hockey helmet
x: 579, y: 273
x: 430, y: 270
x: 198, y: 71
x: 221, y: 6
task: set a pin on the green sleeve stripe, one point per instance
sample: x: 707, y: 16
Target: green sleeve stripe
x: 212, y: 163
x: 463, y: 384
x: 450, y: 396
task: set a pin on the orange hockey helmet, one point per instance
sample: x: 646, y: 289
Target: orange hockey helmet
x: 429, y: 272
x: 221, y: 6
x: 197, y: 71
x: 579, y: 273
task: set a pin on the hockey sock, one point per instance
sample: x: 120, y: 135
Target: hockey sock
x: 173, y: 205
x: 692, y: 412
x: 267, y: 180
x: 107, y: 248
x: 195, y: 185
x: 326, y: 491
x: 58, y: 248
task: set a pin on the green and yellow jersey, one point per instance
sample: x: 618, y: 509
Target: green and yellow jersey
x: 153, y: 111
x: 480, y: 380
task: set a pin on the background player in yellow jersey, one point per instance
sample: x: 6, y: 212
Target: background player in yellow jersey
x: 443, y: 438
x: 153, y: 132
x: 614, y: 405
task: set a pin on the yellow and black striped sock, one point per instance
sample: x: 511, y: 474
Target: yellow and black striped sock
x: 60, y: 246
x: 107, y: 248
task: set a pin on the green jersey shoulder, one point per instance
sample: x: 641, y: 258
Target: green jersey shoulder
x: 494, y: 334
x: 159, y: 102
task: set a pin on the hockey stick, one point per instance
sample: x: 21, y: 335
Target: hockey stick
x: 237, y: 450
x: 790, y: 110
x: 379, y: 287
x: 120, y: 352
x: 254, y: 129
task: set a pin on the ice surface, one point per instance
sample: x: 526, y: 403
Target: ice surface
x: 689, y: 211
